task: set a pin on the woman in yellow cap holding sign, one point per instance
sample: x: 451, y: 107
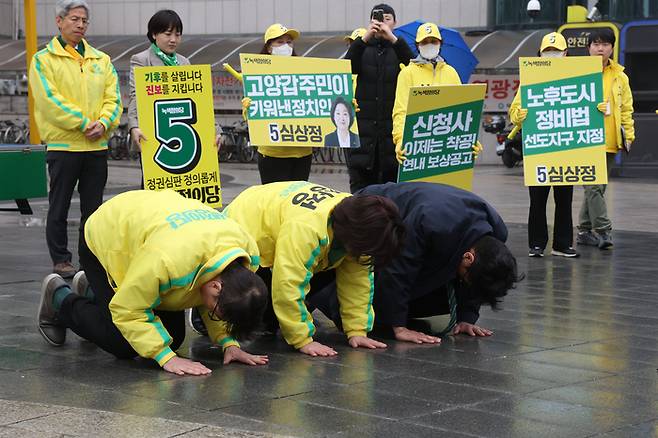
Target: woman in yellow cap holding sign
x: 552, y: 45
x: 282, y: 163
x: 427, y: 69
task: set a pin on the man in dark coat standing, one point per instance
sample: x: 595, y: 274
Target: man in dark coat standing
x: 454, y: 260
x: 376, y: 59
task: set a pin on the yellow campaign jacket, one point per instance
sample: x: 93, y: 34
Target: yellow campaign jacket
x: 290, y: 222
x: 69, y: 96
x: 621, y: 104
x: 158, y: 248
x: 418, y: 73
x: 285, y: 151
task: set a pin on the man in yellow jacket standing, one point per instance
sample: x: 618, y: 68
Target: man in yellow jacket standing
x: 148, y: 256
x: 77, y: 104
x: 595, y: 227
x: 308, y: 237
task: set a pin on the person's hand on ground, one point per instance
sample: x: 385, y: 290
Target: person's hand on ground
x: 471, y: 330
x: 94, y: 131
x: 182, y: 366
x: 365, y: 342
x: 318, y: 349
x: 406, y: 335
x: 137, y: 136
x: 235, y: 354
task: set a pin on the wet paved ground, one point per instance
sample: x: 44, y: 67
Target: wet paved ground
x: 574, y: 353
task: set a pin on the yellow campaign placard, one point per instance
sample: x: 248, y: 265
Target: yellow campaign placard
x: 175, y: 110
x: 440, y: 129
x: 564, y: 132
x: 299, y: 101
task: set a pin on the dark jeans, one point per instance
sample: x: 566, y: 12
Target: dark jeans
x: 322, y: 296
x: 362, y: 177
x: 92, y: 320
x: 273, y: 169
x: 89, y: 171
x: 562, y: 224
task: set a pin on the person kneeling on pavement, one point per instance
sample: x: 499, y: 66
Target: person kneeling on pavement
x: 454, y: 260
x: 148, y: 256
x: 310, y: 236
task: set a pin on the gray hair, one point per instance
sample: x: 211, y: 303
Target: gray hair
x: 63, y: 7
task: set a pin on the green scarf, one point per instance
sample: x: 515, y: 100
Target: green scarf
x: 168, y: 60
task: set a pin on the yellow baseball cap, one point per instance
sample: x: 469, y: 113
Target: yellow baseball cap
x: 355, y: 34
x: 276, y: 30
x: 555, y: 40
x: 427, y: 30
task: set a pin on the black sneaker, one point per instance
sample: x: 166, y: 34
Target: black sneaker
x: 605, y: 240
x: 50, y: 329
x: 536, y: 252
x: 196, y: 323
x: 566, y: 252
x: 587, y: 238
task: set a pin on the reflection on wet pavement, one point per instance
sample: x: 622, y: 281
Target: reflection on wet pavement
x: 574, y: 354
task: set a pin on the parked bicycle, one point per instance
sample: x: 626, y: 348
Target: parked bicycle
x: 328, y: 155
x: 235, y: 143
x: 119, y: 145
x: 14, y: 132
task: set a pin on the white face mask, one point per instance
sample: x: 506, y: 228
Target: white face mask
x: 282, y: 50
x: 552, y: 54
x: 429, y: 51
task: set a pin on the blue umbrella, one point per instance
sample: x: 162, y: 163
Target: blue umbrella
x: 454, y: 49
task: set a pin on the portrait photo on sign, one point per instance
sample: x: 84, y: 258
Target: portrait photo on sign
x: 342, y: 116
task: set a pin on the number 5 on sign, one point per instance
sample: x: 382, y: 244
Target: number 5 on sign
x: 180, y: 145
x: 175, y: 111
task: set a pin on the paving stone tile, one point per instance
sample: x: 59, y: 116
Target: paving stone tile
x: 583, y: 420
x: 310, y: 419
x: 379, y: 428
x: 373, y: 399
x: 489, y: 424
x: 622, y: 402
x: 433, y: 391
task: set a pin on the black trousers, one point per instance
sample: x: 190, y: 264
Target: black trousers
x: 321, y: 295
x: 273, y: 169
x: 65, y: 169
x: 563, y: 222
x: 362, y: 177
x: 91, y: 319
x: 432, y: 304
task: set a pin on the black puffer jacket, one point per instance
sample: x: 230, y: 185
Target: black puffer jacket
x: 377, y: 64
x: 442, y: 222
